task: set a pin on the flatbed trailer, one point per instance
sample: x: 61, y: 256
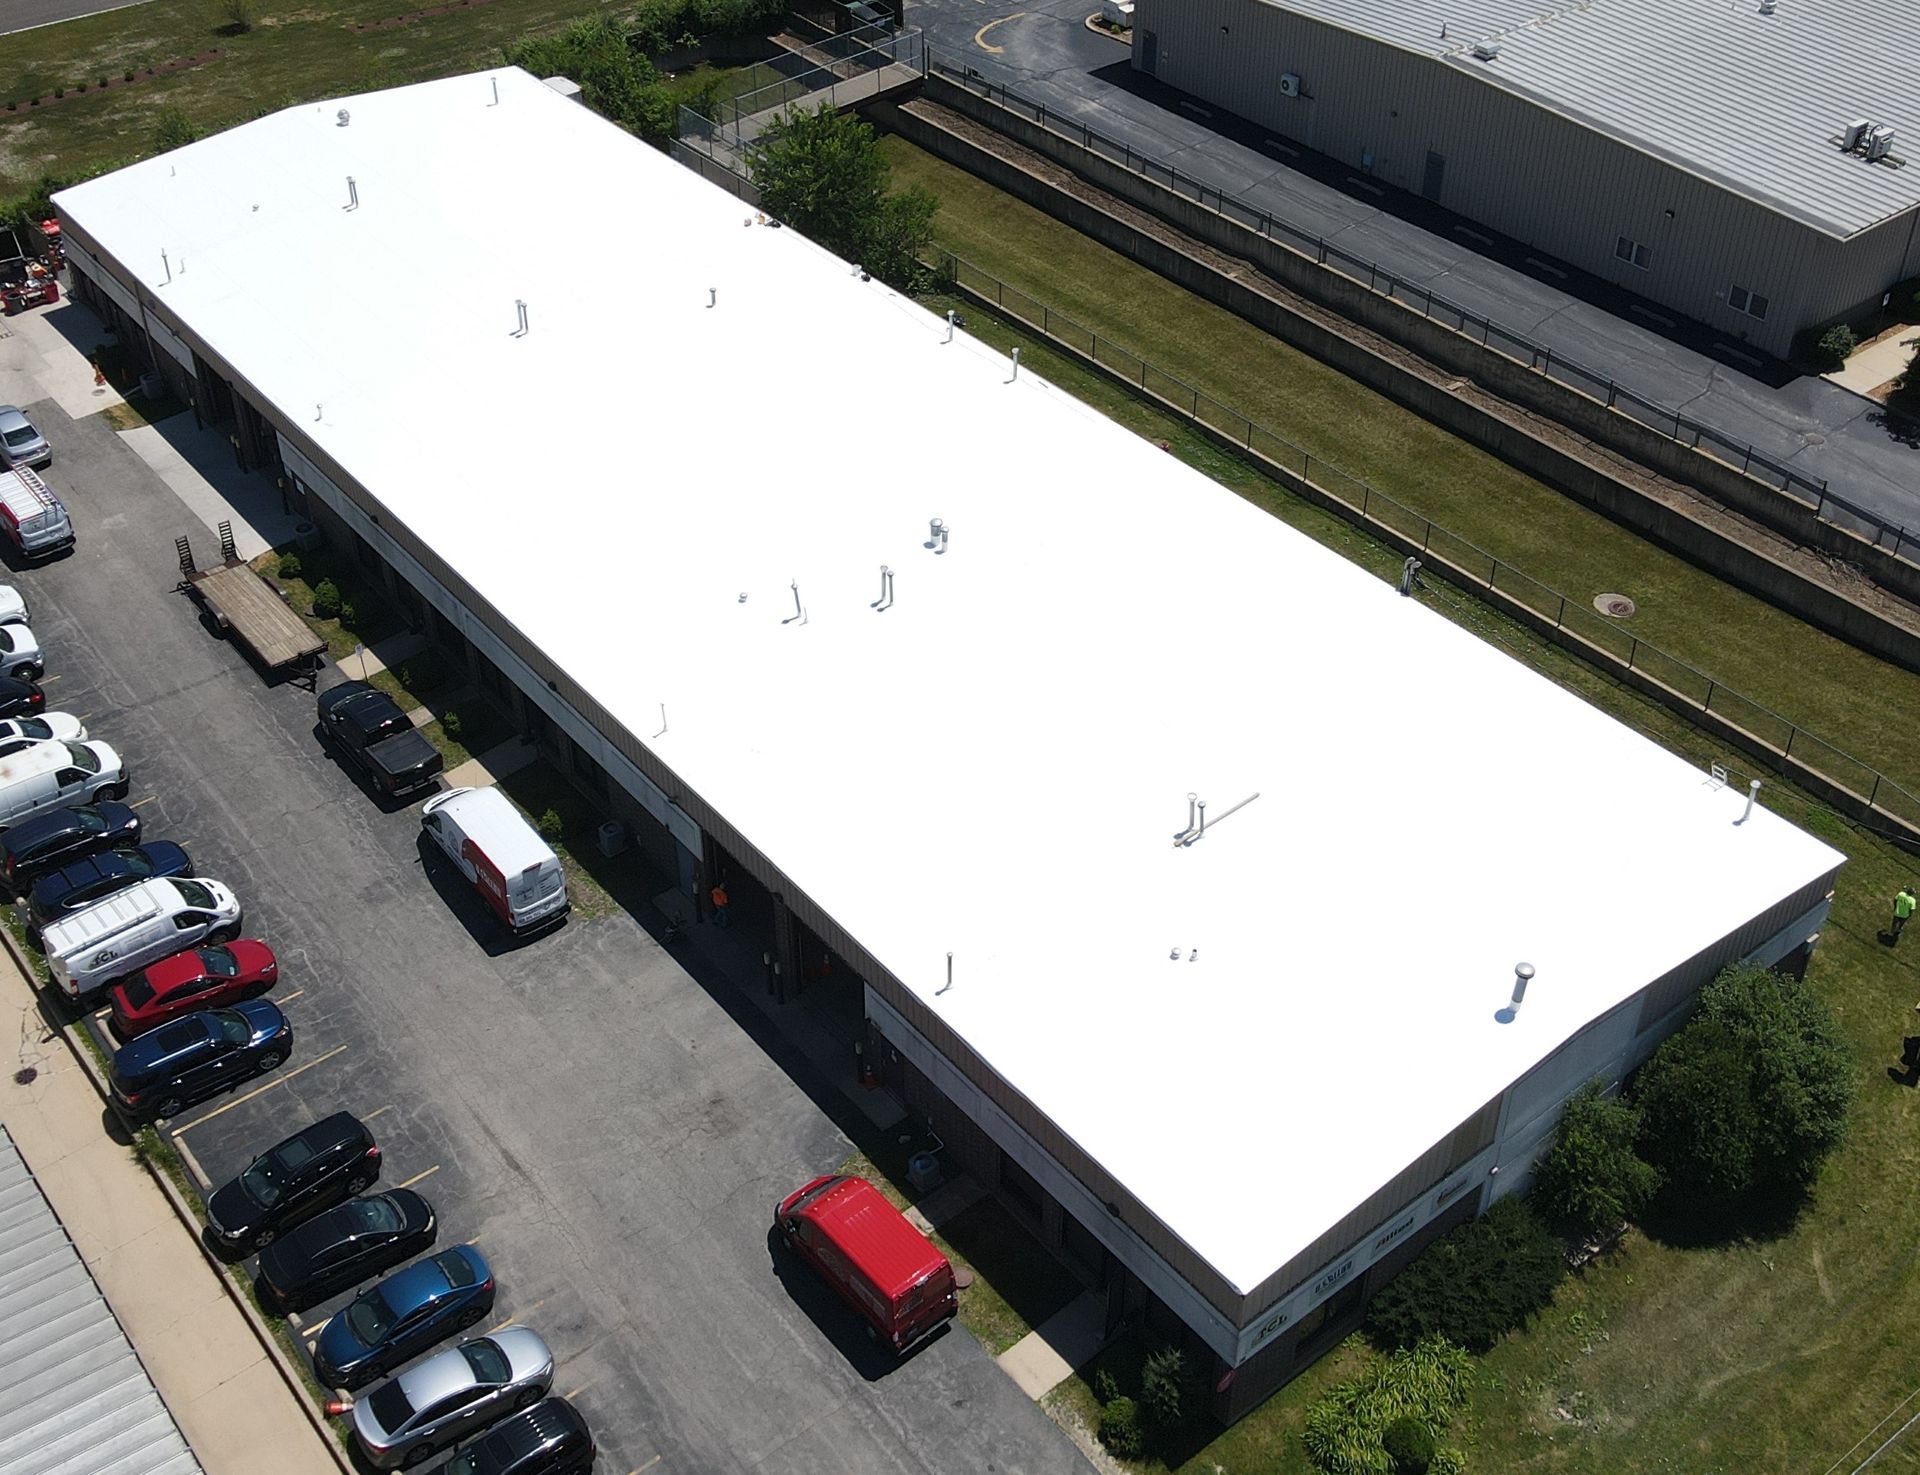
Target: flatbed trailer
x: 249, y: 608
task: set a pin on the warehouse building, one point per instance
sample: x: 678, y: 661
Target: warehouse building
x: 1177, y: 869
x: 1743, y: 164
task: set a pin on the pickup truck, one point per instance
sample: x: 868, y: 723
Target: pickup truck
x: 368, y: 726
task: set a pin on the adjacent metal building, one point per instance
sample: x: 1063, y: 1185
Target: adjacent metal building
x: 1745, y: 163
x: 74, y: 1398
x: 1236, y: 1077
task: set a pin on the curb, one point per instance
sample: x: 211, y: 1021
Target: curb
x: 184, y: 1211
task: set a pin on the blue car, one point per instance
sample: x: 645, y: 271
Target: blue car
x: 402, y: 1317
x: 190, y: 1059
x: 86, y: 881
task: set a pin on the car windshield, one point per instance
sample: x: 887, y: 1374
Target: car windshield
x: 33, y: 727
x: 262, y: 1181
x: 219, y: 963
x: 136, y: 862
x: 234, y: 1027
x: 91, y: 821
x: 6, y: 638
x: 139, y: 992
x: 21, y: 435
x: 83, y: 758
x: 375, y: 1213
x: 195, y: 895
x: 390, y: 1406
x: 368, y: 1319
x: 488, y: 1362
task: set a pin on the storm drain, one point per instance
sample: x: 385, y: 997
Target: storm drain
x: 1614, y: 606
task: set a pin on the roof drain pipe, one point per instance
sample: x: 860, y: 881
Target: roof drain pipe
x: 1180, y: 838
x: 1016, y: 366
x: 951, y: 315
x: 885, y: 601
x: 353, y: 195
x: 1753, y: 793
x: 713, y: 296
x: 1200, y: 833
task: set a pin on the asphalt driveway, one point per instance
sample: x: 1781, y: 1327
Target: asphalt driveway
x: 610, y: 1130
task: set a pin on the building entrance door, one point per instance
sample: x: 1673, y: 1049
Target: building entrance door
x: 1149, y: 51
x: 1436, y: 171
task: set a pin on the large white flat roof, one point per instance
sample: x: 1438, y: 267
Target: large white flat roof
x: 996, y: 765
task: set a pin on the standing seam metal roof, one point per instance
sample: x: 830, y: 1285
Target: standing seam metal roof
x: 74, y: 1398
x: 1755, y: 103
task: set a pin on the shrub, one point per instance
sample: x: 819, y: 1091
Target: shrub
x: 1106, y: 1387
x: 1120, y: 1429
x: 1591, y: 1178
x: 80, y: 87
x: 1752, y: 1093
x: 59, y: 92
x: 173, y: 129
x: 1168, y: 1394
x: 450, y: 724
x: 1476, y: 1284
x: 1834, y: 346
x: 553, y: 829
x: 1345, y: 1432
x: 1409, y: 1445
x: 100, y: 82
x: 326, y: 599
x: 127, y: 75
x: 289, y: 566
x: 234, y: 17
x: 349, y: 614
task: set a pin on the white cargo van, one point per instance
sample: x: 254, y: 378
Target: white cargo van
x: 500, y: 854
x: 48, y: 775
x: 34, y: 520
x: 122, y: 933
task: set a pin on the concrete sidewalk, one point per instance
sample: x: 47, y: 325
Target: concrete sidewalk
x: 1879, y: 362
x: 229, y: 1401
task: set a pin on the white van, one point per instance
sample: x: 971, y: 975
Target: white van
x: 33, y: 519
x: 47, y: 775
x: 500, y: 853
x: 122, y: 933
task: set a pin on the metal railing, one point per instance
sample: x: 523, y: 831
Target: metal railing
x: 1741, y: 456
x: 846, y: 76
x: 1597, y: 632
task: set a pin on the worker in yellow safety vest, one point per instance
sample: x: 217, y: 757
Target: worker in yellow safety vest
x: 1904, y: 901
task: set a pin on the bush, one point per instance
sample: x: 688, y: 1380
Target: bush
x: 173, y: 129
x: 349, y: 614
x: 1591, y: 1179
x: 1752, y: 1093
x: 553, y: 829
x: 450, y: 724
x: 1834, y: 346
x: 1409, y: 1445
x: 1475, y: 1285
x: 234, y: 17
x: 289, y: 566
x: 1106, y: 1387
x: 1345, y: 1432
x: 1168, y: 1391
x: 1120, y: 1429
x: 326, y: 599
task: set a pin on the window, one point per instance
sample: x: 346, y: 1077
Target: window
x: 1751, y: 303
x: 1632, y: 252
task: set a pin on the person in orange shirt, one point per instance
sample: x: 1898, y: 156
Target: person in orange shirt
x: 718, y: 896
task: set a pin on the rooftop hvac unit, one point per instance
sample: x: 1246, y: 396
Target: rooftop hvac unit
x: 1289, y: 84
x: 1854, y: 132
x: 1879, y: 142
x: 1486, y: 50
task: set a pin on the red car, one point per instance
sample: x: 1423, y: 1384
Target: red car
x: 199, y: 978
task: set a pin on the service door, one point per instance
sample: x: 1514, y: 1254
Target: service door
x: 1436, y: 172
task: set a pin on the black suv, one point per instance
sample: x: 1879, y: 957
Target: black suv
x: 548, y: 1439
x: 349, y: 1243
x: 334, y: 1159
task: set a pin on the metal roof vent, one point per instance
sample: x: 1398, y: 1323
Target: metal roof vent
x: 1767, y: 7
x: 344, y: 116
x: 1879, y: 141
x: 1486, y: 50
x: 1850, y: 136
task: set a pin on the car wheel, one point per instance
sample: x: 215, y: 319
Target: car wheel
x: 418, y: 1455
x: 116, y: 791
x: 170, y: 1107
x: 531, y: 1397
x: 471, y: 1316
x: 270, y: 1062
x: 264, y: 1238
x: 220, y: 936
x: 358, y: 1184
x: 27, y: 672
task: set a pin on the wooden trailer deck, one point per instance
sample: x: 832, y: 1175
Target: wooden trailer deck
x: 251, y: 609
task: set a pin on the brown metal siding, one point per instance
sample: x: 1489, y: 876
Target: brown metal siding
x: 1524, y: 170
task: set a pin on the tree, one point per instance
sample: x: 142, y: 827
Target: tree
x: 1752, y: 1093
x: 615, y: 80
x: 1475, y: 1284
x: 1169, y: 1390
x: 824, y: 175
x: 1591, y: 1178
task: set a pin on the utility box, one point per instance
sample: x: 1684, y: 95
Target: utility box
x: 614, y: 839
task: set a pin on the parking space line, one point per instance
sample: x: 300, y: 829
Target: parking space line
x: 138, y: 802
x: 576, y: 1392
x: 48, y: 680
x: 288, y: 998
x: 637, y: 1469
x: 524, y: 1311
x: 277, y: 1080
x: 308, y: 1333
x: 193, y: 1163
x: 381, y: 1112
x: 418, y: 1176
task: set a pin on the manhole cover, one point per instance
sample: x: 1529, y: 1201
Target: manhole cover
x: 1614, y: 606
x: 25, y: 1076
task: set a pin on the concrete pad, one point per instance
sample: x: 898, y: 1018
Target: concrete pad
x: 202, y: 1356
x: 1047, y: 1356
x: 950, y: 1200
x: 44, y: 354
x: 105, y: 1207
x: 494, y: 764
x: 1879, y: 362
x: 197, y: 462
x: 230, y: 1425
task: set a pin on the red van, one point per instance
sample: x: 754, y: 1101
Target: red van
x: 879, y: 1263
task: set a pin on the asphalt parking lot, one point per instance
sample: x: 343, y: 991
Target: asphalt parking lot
x: 608, y: 1129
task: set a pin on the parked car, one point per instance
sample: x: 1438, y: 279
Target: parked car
x: 349, y: 1243
x: 49, y: 841
x: 500, y: 854
x: 87, y: 881
x: 20, y: 698
x: 209, y: 977
x: 551, y: 1438
x: 20, y: 654
x: 884, y: 1268
x: 397, y: 1320
x: 435, y: 1402
x: 13, y: 606
x: 316, y: 1167
x: 56, y: 727
x: 163, y: 1073
x: 32, y: 518
x: 20, y: 443
x: 368, y: 726
x: 121, y: 934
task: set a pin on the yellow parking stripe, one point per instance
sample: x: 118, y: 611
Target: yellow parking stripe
x: 418, y: 1176
x: 285, y: 1075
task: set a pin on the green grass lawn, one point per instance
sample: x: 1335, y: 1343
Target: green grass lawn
x: 295, y: 53
x: 1865, y: 706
